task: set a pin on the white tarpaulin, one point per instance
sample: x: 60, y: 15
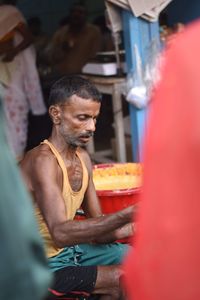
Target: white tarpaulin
x: 147, y: 9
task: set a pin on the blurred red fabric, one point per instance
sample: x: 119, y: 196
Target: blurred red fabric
x: 165, y: 261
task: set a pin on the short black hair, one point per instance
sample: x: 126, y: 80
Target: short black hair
x: 68, y: 86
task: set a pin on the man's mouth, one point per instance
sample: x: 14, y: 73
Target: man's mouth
x: 85, y: 137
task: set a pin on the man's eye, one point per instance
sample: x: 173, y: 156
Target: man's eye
x: 82, y: 118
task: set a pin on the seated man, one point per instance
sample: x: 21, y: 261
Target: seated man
x: 58, y: 174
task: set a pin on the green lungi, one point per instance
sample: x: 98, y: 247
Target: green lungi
x: 89, y: 255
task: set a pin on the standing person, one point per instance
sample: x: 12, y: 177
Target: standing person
x: 58, y: 173
x: 21, y: 89
x: 165, y: 262
x: 74, y: 44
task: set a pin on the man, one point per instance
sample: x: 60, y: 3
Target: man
x: 74, y: 44
x: 58, y: 173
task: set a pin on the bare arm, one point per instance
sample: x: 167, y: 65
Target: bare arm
x: 123, y: 232
x: 47, y: 192
x: 91, y: 230
x: 92, y: 208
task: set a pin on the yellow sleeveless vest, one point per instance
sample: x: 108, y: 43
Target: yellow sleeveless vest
x: 72, y: 199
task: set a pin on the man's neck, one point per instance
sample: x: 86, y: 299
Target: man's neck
x: 61, y: 146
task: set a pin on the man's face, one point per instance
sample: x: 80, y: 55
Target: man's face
x: 78, y: 120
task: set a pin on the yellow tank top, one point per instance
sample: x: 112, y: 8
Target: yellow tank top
x: 72, y: 199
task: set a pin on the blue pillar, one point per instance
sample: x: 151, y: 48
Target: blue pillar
x: 141, y: 33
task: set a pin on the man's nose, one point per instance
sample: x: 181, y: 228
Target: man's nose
x: 91, y: 125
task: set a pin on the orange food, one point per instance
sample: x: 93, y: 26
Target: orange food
x: 117, y: 176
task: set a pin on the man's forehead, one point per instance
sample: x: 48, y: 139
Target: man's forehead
x: 75, y: 100
x: 80, y: 105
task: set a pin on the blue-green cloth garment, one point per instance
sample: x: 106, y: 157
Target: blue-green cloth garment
x: 24, y: 270
x: 89, y: 255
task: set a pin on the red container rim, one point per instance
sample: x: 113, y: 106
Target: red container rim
x: 120, y: 192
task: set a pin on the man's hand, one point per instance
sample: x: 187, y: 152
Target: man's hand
x: 128, y: 212
x: 125, y: 231
x: 121, y: 232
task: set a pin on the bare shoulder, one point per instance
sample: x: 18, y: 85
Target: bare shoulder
x: 37, y: 163
x: 37, y: 156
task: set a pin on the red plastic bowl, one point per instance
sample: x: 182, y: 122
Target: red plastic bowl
x: 115, y: 200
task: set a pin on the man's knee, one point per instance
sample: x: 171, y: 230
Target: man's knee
x: 107, y: 282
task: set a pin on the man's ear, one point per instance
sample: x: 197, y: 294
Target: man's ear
x: 55, y: 114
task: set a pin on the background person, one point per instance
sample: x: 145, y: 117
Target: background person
x: 74, y: 44
x: 21, y: 89
x: 58, y: 173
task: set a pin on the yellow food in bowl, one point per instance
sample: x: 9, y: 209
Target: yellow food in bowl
x: 117, y: 176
